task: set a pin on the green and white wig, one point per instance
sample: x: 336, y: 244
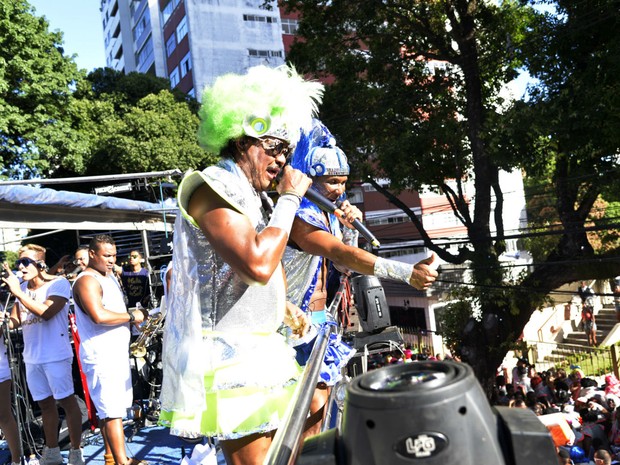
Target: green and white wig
x: 265, y: 102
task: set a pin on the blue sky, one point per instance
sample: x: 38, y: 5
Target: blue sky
x: 80, y: 22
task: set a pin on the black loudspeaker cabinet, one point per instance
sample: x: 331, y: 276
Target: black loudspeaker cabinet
x: 372, y: 307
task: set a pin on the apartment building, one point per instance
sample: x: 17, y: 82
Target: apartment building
x: 191, y: 42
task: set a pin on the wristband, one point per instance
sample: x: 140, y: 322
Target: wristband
x: 350, y: 237
x: 291, y: 192
x: 132, y: 317
x: 392, y: 269
x: 284, y: 213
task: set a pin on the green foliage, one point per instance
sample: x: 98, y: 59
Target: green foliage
x: 386, y: 101
x: 605, y: 237
x: 414, y: 96
x: 9, y: 256
x: 451, y: 319
x: 543, y: 218
x: 128, y: 89
x: 131, y: 123
x: 56, y: 122
x: 594, y: 363
x: 35, y: 88
x: 158, y: 133
x: 564, y: 132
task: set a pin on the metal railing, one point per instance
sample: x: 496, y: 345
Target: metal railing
x: 593, y: 361
x: 286, y: 442
x: 420, y: 339
x: 554, y: 320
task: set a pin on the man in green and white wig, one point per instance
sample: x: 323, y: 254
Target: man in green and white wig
x: 227, y: 372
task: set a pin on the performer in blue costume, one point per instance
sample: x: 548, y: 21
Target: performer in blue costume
x: 227, y: 372
x: 318, y: 237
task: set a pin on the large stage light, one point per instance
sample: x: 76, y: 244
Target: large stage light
x: 428, y: 413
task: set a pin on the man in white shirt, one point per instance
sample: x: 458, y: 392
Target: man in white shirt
x: 103, y: 324
x: 42, y: 309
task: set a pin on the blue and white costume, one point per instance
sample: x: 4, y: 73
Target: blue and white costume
x: 316, y: 154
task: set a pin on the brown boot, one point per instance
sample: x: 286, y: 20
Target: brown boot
x: 109, y: 459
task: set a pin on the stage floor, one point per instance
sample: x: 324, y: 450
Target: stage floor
x: 152, y: 443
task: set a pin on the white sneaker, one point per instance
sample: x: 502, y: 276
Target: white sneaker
x: 75, y: 457
x: 51, y: 456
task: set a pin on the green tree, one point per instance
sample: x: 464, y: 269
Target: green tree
x: 416, y: 85
x: 35, y: 88
x: 566, y: 136
x: 415, y: 92
x: 130, y: 123
x: 158, y: 133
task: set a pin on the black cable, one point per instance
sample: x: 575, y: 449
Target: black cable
x: 19, y: 391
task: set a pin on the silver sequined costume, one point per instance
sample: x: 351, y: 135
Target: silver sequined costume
x: 220, y: 335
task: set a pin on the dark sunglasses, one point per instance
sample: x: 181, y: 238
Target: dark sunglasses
x: 25, y: 261
x: 274, y: 147
x: 134, y: 256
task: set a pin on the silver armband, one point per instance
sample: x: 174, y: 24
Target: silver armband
x: 350, y: 237
x: 392, y: 269
x: 284, y: 213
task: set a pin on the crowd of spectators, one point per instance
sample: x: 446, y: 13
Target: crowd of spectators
x: 592, y: 411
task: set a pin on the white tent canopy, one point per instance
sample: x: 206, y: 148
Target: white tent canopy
x: 42, y: 208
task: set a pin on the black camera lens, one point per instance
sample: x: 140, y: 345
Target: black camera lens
x: 4, y: 273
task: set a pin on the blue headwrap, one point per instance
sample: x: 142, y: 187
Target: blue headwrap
x: 316, y: 153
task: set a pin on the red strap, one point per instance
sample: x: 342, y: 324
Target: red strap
x: 345, y: 303
x: 92, y: 411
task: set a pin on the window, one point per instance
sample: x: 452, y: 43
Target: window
x: 387, y: 220
x: 259, y: 19
x: 140, y: 27
x: 174, y: 77
x: 289, y: 26
x: 192, y: 93
x: 265, y: 53
x: 402, y: 252
x: 185, y: 65
x: 167, y: 11
x: 182, y: 29
x: 134, y: 6
x: 171, y: 44
x: 146, y: 53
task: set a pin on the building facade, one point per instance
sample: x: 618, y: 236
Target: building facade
x: 191, y: 42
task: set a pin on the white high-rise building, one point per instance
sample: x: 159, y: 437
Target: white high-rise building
x: 191, y: 42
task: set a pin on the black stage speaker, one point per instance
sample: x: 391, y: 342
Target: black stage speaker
x: 371, y: 304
